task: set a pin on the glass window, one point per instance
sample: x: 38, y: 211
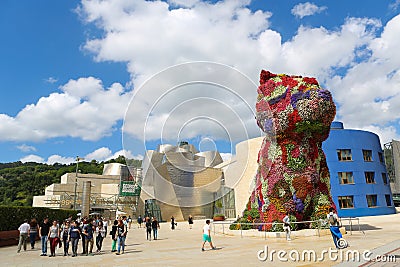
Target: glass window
x: 371, y: 200
x: 380, y: 155
x: 367, y: 154
x: 388, y: 200
x: 344, y: 154
x: 346, y: 178
x: 346, y: 202
x: 384, y: 178
x: 370, y: 177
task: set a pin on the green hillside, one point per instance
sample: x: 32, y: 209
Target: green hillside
x: 19, y: 182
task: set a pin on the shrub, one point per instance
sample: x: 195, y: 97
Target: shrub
x: 241, y: 223
x: 12, y: 217
x: 252, y: 214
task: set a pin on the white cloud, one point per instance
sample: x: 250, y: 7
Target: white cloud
x: 51, y: 80
x: 32, y: 158
x: 369, y: 93
x: 386, y: 134
x: 151, y: 35
x: 228, y: 32
x: 104, y: 154
x: 83, y: 109
x: 100, y: 154
x: 26, y: 148
x: 183, y: 3
x: 60, y: 159
x: 127, y: 154
x: 307, y: 9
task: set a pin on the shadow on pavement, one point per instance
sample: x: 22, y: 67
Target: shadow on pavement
x: 132, y: 251
x: 363, y: 227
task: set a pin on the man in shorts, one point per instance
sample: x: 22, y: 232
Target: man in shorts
x: 207, y: 235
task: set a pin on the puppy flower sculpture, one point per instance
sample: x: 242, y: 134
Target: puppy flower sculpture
x: 292, y: 174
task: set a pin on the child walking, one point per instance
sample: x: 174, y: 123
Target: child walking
x: 207, y: 235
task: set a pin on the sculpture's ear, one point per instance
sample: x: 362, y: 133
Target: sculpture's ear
x: 265, y: 75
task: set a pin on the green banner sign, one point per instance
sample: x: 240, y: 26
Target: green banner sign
x: 129, y: 189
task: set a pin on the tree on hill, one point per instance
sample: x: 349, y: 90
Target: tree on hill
x: 19, y: 182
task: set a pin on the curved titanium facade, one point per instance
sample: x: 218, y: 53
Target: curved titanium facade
x: 359, y: 181
x: 181, y: 181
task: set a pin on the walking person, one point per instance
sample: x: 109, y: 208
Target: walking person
x: 74, y: 236
x: 155, y: 226
x: 125, y: 221
x: 121, y: 232
x: 148, y: 228
x: 100, y: 235
x: 286, y: 226
x: 190, y: 221
x: 207, y: 235
x: 129, y: 222
x: 333, y: 220
x: 54, y: 238
x: 88, y: 231
x: 23, y: 235
x: 33, y: 231
x: 173, y: 223
x: 105, y: 225
x: 44, y: 228
x: 140, y: 221
x: 84, y: 223
x: 114, y: 236
x: 65, y: 236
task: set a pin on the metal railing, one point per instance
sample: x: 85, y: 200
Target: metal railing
x: 321, y: 224
x: 230, y: 213
x: 351, y: 220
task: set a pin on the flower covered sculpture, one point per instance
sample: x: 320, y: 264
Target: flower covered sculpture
x: 295, y: 113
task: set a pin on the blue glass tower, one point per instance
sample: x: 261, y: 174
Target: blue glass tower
x: 359, y: 181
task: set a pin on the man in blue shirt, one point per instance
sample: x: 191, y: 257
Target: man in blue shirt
x: 88, y: 232
x: 74, y: 235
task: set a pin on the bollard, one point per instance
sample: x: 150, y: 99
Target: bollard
x: 351, y: 227
x: 265, y: 232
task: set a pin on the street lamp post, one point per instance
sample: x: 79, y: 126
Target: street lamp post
x: 76, y: 179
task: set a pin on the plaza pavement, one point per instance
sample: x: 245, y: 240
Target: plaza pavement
x: 182, y: 247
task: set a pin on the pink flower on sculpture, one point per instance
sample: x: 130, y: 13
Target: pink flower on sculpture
x: 296, y: 152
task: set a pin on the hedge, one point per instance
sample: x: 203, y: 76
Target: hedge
x: 12, y: 217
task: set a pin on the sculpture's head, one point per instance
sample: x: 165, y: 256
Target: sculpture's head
x: 293, y: 106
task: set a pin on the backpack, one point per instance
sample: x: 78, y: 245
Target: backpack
x: 332, y: 220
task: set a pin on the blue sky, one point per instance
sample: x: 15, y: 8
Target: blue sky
x: 69, y: 68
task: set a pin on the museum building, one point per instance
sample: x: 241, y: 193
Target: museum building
x: 359, y: 180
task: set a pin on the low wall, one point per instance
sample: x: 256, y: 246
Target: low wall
x: 9, y: 238
x: 219, y: 228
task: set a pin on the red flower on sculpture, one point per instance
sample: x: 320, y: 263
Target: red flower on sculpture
x: 265, y: 76
x: 310, y: 80
x: 289, y: 81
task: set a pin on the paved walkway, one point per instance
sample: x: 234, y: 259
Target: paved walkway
x: 182, y: 247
